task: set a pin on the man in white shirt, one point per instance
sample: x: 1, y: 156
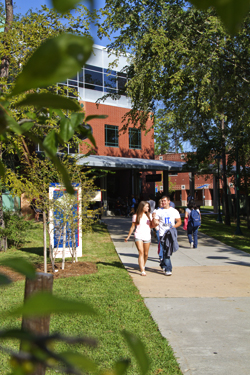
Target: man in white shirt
x: 167, y: 217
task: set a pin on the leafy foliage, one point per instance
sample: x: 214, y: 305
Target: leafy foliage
x: 232, y: 13
x: 15, y: 227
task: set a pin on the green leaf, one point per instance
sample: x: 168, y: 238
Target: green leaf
x: 60, y: 167
x: 44, y: 303
x: 68, y: 126
x: 26, y: 126
x: 231, y: 12
x: 66, y: 129
x: 54, y: 61
x: 2, y: 169
x: 64, y: 6
x: 51, y: 142
x: 122, y: 366
x: 4, y: 280
x: 91, y: 117
x: 20, y: 265
x: 13, y: 125
x: 3, y: 121
x: 49, y: 100
x: 17, y: 334
x: 138, y: 351
x: 77, y: 360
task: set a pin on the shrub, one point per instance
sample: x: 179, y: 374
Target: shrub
x: 15, y: 227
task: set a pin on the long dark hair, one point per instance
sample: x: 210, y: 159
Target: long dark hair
x: 192, y: 205
x: 139, y: 211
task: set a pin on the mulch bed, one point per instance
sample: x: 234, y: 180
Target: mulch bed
x: 70, y: 269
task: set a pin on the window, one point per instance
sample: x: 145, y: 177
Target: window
x: 134, y: 138
x: 94, y: 78
x: 111, y: 136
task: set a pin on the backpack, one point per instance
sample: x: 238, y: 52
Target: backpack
x: 195, y: 219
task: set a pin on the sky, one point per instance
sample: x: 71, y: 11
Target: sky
x: 22, y: 6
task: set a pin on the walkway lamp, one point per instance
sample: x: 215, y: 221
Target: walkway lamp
x: 219, y: 218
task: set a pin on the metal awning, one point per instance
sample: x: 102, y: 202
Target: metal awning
x: 114, y: 162
x: 202, y: 186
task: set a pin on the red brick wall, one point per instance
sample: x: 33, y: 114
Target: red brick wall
x: 115, y: 115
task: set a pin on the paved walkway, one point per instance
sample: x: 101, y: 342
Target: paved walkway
x: 203, y: 309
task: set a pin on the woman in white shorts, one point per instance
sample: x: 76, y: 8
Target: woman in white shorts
x: 142, y: 224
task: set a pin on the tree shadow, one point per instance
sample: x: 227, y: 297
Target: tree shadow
x: 113, y: 264
x: 33, y: 250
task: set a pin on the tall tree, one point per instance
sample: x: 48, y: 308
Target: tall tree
x: 5, y: 61
x: 184, y: 58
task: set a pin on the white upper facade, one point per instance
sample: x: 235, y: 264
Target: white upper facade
x: 97, y: 79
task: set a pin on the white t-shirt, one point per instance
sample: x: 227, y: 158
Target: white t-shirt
x: 143, y: 230
x: 166, y: 219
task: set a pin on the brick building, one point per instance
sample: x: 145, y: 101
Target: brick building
x: 204, y: 186
x: 128, y: 155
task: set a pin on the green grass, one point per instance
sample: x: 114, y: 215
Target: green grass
x: 226, y: 234
x: 112, y: 293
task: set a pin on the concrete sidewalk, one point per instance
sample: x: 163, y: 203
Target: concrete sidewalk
x: 203, y: 309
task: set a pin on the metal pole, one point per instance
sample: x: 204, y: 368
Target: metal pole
x: 238, y: 230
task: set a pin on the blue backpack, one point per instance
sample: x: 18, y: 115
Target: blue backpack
x: 195, y: 219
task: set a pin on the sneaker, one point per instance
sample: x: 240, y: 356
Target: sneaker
x: 191, y: 245
x: 168, y: 273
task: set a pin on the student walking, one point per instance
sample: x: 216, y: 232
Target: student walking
x: 194, y: 222
x: 168, y: 219
x: 142, y: 224
x: 156, y: 229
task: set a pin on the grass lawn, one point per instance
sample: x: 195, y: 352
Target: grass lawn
x: 113, y: 294
x: 225, y: 233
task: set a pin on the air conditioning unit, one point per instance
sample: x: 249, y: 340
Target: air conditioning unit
x: 183, y: 187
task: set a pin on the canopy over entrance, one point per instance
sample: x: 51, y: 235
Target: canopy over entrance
x: 98, y: 161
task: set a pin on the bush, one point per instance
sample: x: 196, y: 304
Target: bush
x: 15, y: 227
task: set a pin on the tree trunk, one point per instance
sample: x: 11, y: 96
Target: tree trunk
x: 3, y: 240
x: 5, y: 63
x: 64, y: 245
x: 246, y: 190
x: 224, y: 177
x: 37, y: 326
x: 44, y: 242
x: 4, y: 72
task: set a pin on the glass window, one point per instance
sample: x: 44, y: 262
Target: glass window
x: 72, y: 83
x: 134, y: 138
x: 92, y: 67
x: 108, y: 71
x: 110, y: 81
x: 121, y: 84
x: 93, y: 87
x: 94, y: 78
x: 111, y: 136
x: 73, y: 148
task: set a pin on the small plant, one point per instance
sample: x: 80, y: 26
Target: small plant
x: 15, y: 227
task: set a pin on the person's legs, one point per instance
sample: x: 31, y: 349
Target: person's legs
x: 157, y: 235
x: 168, y: 264
x: 161, y: 250
x: 195, y: 235
x: 189, y: 233
x: 140, y: 248
x: 146, y: 249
